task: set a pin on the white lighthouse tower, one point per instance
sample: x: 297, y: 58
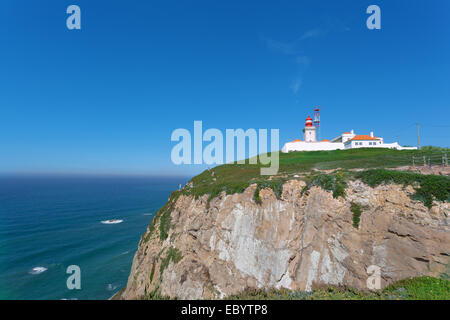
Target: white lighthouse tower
x: 309, y: 131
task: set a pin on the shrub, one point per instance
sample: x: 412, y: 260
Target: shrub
x: 356, y: 209
x: 334, y: 182
x: 275, y: 185
x: 430, y: 187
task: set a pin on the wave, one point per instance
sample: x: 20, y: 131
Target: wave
x: 37, y: 270
x: 112, y: 221
x: 111, y: 287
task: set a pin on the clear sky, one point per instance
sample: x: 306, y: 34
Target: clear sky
x: 106, y: 98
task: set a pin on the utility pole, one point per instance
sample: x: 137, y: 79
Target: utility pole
x: 418, y: 136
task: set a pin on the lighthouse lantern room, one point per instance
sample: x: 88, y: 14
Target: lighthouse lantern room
x: 309, y: 131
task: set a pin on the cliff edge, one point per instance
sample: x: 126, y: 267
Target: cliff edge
x: 300, y: 237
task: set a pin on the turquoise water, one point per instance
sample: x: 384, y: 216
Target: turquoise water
x: 50, y: 223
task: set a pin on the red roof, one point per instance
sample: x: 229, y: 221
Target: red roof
x: 325, y: 140
x: 346, y: 133
x: 363, y: 137
x: 296, y: 140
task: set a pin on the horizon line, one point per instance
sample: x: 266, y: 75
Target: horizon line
x: 91, y: 174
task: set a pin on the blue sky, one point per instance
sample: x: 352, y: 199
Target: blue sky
x: 105, y: 99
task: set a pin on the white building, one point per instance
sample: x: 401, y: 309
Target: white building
x: 347, y: 140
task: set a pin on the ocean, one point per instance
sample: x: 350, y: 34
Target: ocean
x: 48, y: 223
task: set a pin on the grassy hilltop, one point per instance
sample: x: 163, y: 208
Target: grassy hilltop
x: 233, y: 178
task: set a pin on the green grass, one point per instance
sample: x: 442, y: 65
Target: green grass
x: 421, y: 288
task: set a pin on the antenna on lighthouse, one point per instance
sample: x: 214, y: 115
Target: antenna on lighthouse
x: 317, y: 120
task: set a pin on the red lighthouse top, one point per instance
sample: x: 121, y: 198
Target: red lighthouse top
x: 309, y: 122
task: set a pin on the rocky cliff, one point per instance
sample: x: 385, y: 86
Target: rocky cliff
x: 211, y: 249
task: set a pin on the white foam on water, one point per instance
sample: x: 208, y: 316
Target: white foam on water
x: 112, y: 221
x: 38, y: 270
x: 111, y: 287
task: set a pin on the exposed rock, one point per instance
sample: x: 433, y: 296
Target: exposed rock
x: 296, y: 242
x: 434, y: 169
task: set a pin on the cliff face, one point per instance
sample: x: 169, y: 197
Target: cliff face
x: 298, y: 241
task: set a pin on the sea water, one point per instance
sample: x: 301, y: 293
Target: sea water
x: 48, y: 223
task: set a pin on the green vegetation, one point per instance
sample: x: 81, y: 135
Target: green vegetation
x: 335, y: 182
x: 152, y: 273
x: 422, y: 288
x: 275, y: 185
x: 164, y: 224
x: 235, y: 178
x: 155, y: 294
x: 356, y: 209
x: 173, y: 254
x: 163, y: 216
x: 427, y: 187
x: 427, y: 149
